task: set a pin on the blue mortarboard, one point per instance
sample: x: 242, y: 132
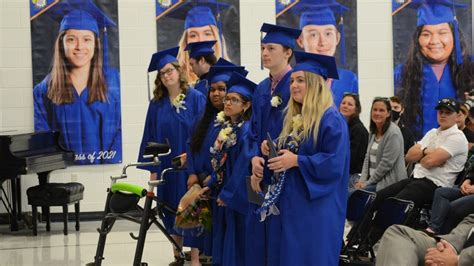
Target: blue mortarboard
x: 222, y: 71
x: 322, y: 65
x: 160, y: 59
x: 279, y: 34
x: 80, y: 15
x: 320, y: 13
x: 198, y: 13
x: 241, y: 85
x: 197, y: 49
x: 434, y: 12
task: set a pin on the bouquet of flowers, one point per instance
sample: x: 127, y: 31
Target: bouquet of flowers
x: 193, y: 211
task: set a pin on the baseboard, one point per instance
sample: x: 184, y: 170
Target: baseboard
x: 58, y: 217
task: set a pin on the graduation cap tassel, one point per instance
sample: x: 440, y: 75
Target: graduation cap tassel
x: 457, y: 42
x: 343, y: 42
x: 261, y: 54
x: 219, y: 27
x: 148, y: 85
x: 106, y: 51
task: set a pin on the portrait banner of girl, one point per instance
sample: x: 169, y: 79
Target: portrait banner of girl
x: 432, y: 41
x: 329, y: 27
x: 180, y: 22
x: 76, y: 76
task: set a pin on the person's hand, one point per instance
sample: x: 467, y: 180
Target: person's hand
x: 257, y: 166
x: 192, y: 179
x: 465, y: 187
x: 443, y: 254
x: 220, y: 202
x: 264, y: 148
x: 283, y: 162
x: 360, y: 185
x: 153, y: 176
x: 203, y: 193
x: 255, y: 183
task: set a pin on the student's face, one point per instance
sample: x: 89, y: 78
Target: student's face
x: 198, y: 66
x: 217, y: 94
x: 461, y: 121
x: 436, y: 42
x: 322, y: 39
x: 200, y: 34
x: 447, y: 118
x: 348, y: 107
x: 79, y: 47
x: 169, y: 75
x: 274, y: 55
x: 379, y: 113
x: 396, y: 107
x: 298, y: 86
x: 234, y: 105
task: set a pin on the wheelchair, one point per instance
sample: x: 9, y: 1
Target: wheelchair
x: 122, y: 203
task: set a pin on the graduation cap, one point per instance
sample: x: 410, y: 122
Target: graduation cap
x: 222, y: 71
x: 80, y: 15
x: 320, y: 13
x: 160, y: 59
x: 434, y: 12
x: 241, y: 85
x: 279, y: 34
x: 322, y: 65
x: 197, y: 49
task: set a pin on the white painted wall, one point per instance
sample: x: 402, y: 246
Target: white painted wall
x: 137, y: 43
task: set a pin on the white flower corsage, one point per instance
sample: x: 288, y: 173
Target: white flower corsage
x: 179, y: 102
x: 276, y: 101
x: 220, y: 119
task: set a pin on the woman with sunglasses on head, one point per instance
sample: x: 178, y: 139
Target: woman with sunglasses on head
x: 350, y: 108
x: 312, y: 168
x: 199, y: 166
x: 225, y: 182
x: 384, y: 162
x: 172, y: 113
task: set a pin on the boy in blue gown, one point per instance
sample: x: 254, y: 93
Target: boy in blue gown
x: 90, y: 125
x: 169, y: 121
x: 201, y: 58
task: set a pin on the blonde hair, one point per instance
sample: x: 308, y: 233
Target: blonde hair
x: 183, y: 56
x: 60, y: 88
x: 317, y: 100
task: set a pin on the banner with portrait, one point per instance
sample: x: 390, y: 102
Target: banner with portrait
x: 179, y: 22
x: 75, y: 48
x: 329, y: 27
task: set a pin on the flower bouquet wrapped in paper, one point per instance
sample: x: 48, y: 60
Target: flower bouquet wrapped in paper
x: 194, y: 213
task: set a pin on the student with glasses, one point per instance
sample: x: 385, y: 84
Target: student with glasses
x: 172, y: 113
x: 198, y: 163
x: 384, y: 162
x: 350, y: 108
x: 225, y: 181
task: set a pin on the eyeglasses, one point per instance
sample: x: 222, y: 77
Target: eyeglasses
x: 232, y: 100
x: 166, y: 72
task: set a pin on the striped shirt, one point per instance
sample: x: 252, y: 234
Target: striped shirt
x: 373, y: 157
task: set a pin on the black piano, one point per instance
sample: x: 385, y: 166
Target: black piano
x: 28, y: 153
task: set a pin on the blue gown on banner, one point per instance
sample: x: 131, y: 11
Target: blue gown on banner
x: 199, y: 163
x: 347, y: 82
x: 163, y: 123
x: 265, y: 118
x: 314, y: 197
x: 229, y: 222
x: 92, y: 131
x: 432, y: 91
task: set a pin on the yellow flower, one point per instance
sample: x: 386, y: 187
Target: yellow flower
x: 224, y: 133
x: 220, y: 118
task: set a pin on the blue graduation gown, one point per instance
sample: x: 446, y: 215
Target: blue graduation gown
x: 202, y: 85
x: 347, y: 82
x: 314, y: 197
x: 229, y: 230
x: 93, y: 131
x: 164, y: 123
x: 432, y: 91
x: 198, y: 163
x: 265, y: 118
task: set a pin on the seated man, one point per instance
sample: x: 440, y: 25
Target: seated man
x: 401, y: 245
x: 439, y: 157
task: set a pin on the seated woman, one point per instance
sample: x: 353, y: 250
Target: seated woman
x: 384, y: 162
x: 350, y: 108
